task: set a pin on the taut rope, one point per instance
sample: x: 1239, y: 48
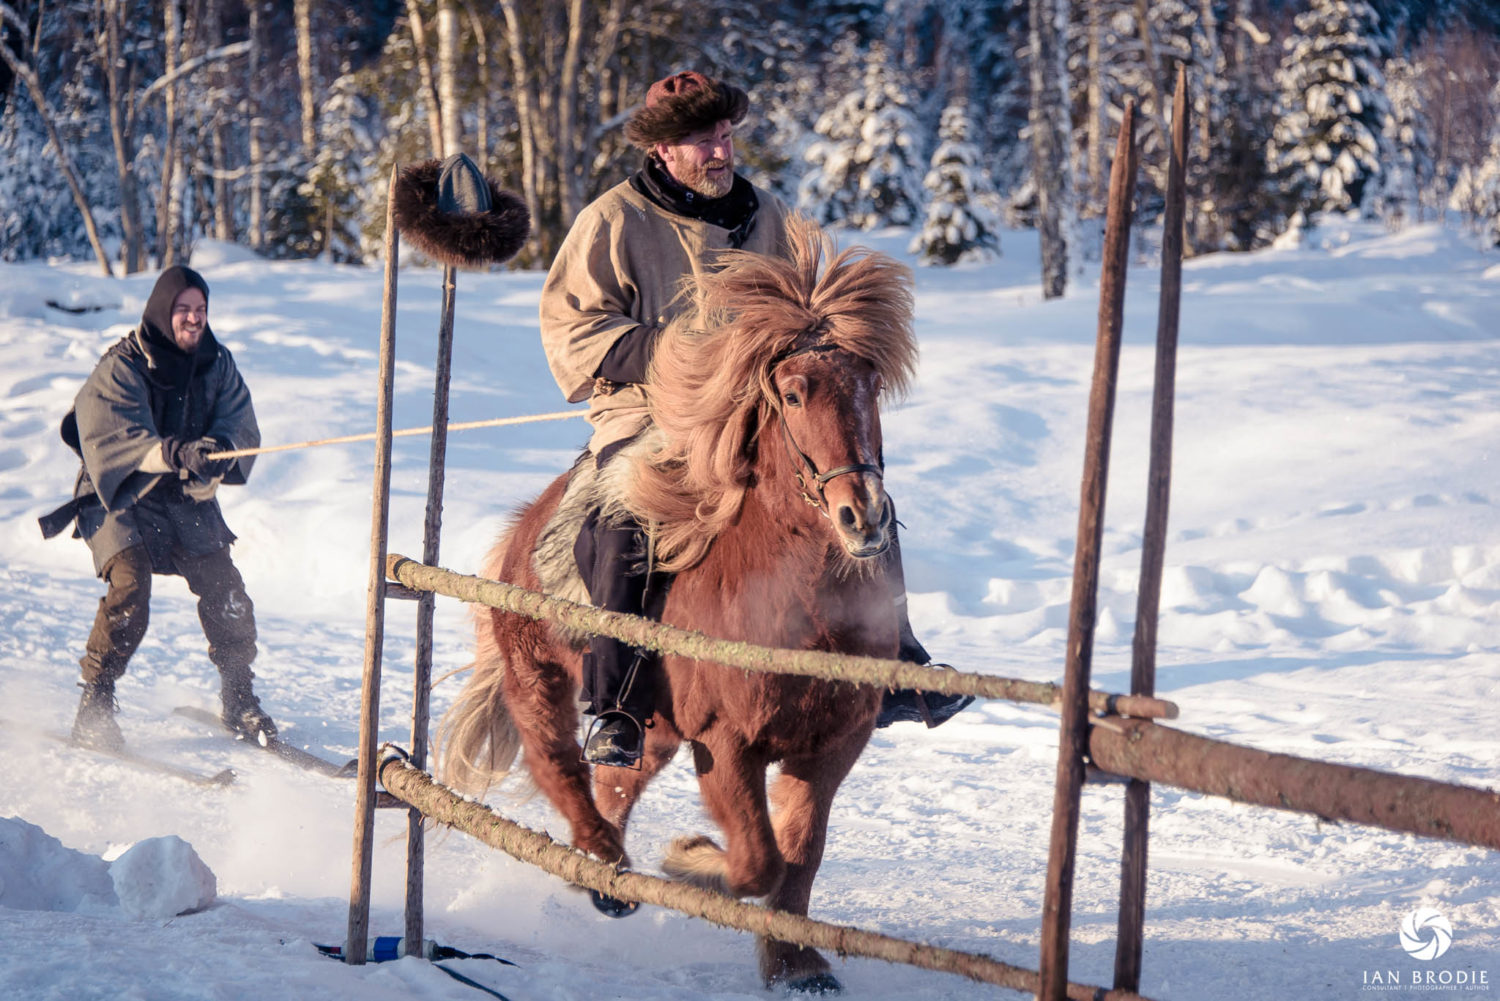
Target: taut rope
x: 404, y: 432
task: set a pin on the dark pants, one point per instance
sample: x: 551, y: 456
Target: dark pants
x: 611, y: 559
x: 224, y: 609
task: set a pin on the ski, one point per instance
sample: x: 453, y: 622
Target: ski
x: 135, y: 759
x: 286, y: 752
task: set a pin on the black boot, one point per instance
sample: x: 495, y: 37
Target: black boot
x: 906, y: 705
x: 242, y: 710
x: 615, y: 739
x: 95, y: 725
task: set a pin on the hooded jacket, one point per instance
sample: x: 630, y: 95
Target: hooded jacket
x: 144, y: 389
x: 618, y: 280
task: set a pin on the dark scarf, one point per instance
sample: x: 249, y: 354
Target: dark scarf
x: 734, y: 211
x: 167, y: 364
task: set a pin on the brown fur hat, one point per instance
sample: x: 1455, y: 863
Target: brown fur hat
x: 459, y: 239
x: 683, y: 103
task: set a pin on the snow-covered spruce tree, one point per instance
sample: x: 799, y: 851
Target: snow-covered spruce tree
x: 336, y: 182
x: 961, y: 225
x: 1408, y: 145
x: 1326, y: 149
x: 865, y: 162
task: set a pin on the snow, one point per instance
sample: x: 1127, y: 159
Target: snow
x: 1332, y: 590
x: 162, y: 878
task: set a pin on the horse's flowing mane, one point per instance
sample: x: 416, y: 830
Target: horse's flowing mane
x: 710, y: 377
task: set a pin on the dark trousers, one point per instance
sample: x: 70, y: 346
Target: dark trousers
x: 611, y: 558
x: 224, y: 610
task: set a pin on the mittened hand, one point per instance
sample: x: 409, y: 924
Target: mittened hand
x: 192, y: 455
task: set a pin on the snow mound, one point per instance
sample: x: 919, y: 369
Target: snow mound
x: 39, y: 873
x: 161, y: 878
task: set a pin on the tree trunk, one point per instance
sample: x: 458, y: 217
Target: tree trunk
x: 64, y: 161
x: 1049, y: 127
x: 256, y: 235
x: 302, y: 15
x: 482, y: 112
x: 166, y: 221
x: 118, y: 90
x: 424, y: 67
x: 448, y: 104
x: 523, y: 89
x: 570, y: 143
x: 1157, y: 168
x: 218, y: 140
x: 1089, y: 204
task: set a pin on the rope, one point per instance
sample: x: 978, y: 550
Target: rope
x: 403, y: 433
x: 637, y: 631
x: 437, y: 802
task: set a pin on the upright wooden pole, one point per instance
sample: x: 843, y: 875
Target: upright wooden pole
x: 369, y: 714
x: 1074, y: 730
x: 1130, y: 938
x: 422, y: 673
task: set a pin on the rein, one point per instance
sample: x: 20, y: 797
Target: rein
x: 811, y: 482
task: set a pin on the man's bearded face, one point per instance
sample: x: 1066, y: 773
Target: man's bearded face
x: 702, y: 161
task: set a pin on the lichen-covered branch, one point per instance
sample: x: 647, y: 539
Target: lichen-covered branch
x: 441, y: 804
x: 642, y: 632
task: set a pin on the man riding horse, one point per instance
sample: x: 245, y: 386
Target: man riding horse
x: 615, y: 284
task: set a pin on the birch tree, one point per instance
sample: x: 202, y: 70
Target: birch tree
x: 1049, y: 132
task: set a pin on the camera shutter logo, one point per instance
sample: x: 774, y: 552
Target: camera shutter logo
x: 1425, y: 934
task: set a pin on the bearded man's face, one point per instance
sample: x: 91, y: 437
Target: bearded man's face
x: 702, y: 161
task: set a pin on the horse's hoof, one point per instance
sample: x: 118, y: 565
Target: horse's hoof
x: 815, y: 983
x: 612, y: 906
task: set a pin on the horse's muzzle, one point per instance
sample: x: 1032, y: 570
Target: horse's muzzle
x: 865, y: 528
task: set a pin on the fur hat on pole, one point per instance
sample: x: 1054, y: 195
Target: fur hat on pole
x: 452, y: 213
x: 683, y: 103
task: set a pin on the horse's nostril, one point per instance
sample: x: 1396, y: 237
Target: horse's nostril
x: 846, y: 516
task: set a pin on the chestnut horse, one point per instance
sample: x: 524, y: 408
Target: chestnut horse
x: 762, y: 487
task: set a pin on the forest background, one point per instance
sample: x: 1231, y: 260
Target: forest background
x: 131, y: 128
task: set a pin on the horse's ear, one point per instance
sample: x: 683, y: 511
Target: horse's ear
x: 456, y: 216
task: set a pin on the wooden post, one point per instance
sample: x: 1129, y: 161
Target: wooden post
x: 1074, y: 729
x: 369, y: 714
x: 421, y: 684
x: 1130, y: 937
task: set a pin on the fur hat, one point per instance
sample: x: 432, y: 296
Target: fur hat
x: 683, y: 103
x: 444, y: 213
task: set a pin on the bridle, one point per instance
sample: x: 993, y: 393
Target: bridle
x: 812, y: 483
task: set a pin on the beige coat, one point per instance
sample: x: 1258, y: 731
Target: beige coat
x: 622, y: 265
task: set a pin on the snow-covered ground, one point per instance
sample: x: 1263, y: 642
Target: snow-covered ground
x: 1332, y: 590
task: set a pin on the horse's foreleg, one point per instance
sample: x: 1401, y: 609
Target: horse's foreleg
x: 616, y: 790
x: 733, y: 785
x: 803, y: 796
x: 542, y: 703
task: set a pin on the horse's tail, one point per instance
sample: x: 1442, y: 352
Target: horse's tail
x: 477, y: 741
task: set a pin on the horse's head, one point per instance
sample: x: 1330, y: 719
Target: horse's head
x: 826, y: 402
x: 785, y: 363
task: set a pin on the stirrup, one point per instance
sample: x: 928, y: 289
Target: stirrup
x: 608, y: 742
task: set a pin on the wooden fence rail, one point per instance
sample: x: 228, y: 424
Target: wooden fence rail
x: 418, y: 789
x: 1405, y: 803
x: 642, y: 632
x: 1135, y: 748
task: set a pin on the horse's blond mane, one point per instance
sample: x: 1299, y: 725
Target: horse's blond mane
x: 710, y: 377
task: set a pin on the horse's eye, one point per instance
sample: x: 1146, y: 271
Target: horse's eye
x: 792, y: 398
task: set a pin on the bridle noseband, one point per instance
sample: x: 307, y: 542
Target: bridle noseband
x: 812, y: 483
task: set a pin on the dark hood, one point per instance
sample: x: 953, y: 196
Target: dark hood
x: 168, y: 362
